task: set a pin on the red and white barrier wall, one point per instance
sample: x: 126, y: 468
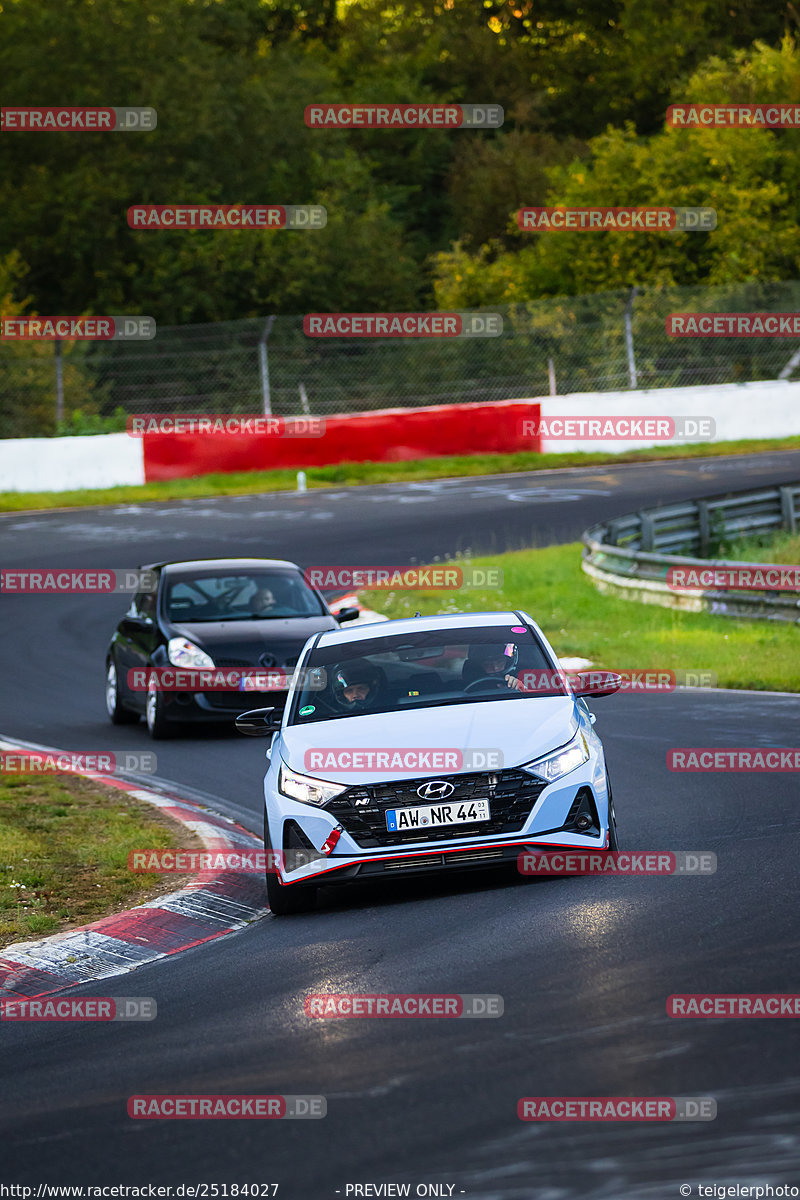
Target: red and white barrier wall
x: 61, y: 464
x: 739, y: 411
x: 389, y: 435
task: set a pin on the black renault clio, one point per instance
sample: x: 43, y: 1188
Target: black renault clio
x: 248, y: 613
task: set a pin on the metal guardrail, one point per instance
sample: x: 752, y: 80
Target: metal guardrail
x: 631, y: 555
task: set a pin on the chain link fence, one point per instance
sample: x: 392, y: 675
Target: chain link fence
x: 607, y: 341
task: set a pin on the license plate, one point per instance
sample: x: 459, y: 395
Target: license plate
x: 427, y: 816
x: 248, y: 683
x: 264, y: 681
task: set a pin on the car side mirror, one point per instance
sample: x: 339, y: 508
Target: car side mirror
x: 595, y: 683
x: 259, y: 722
x: 347, y: 614
x: 132, y: 622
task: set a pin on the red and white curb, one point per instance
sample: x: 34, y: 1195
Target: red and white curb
x: 215, y: 903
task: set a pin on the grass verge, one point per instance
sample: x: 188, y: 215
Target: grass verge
x: 64, y: 844
x: 616, y: 634
x: 783, y: 548
x: 245, y: 483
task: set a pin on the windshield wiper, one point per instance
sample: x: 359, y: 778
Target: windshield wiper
x: 182, y: 620
x: 475, y: 698
x: 219, y: 619
x: 266, y: 617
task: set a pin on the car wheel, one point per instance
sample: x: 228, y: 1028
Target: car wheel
x: 285, y: 899
x: 613, y: 840
x: 117, y: 713
x: 157, y: 724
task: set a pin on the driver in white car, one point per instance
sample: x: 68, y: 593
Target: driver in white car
x: 483, y: 661
x: 356, y: 685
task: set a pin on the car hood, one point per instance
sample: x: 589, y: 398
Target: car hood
x: 241, y: 643
x: 519, y: 729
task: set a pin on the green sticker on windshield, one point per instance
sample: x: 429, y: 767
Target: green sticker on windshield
x: 309, y: 708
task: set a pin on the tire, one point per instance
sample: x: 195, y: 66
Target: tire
x: 158, y: 726
x: 117, y: 713
x: 283, y: 899
x: 613, y: 840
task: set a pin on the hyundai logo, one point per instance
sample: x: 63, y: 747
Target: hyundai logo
x: 435, y: 789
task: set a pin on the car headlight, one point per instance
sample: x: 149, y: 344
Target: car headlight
x: 183, y: 653
x: 562, y: 761
x: 306, y: 789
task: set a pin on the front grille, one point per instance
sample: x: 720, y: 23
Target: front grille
x: 237, y: 701
x: 511, y: 797
x: 240, y: 701
x: 410, y: 864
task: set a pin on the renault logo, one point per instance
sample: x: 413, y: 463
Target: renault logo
x: 435, y: 789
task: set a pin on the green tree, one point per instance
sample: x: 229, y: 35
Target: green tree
x: 750, y: 176
x: 230, y: 130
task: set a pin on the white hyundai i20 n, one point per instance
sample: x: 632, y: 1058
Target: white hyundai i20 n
x: 427, y: 744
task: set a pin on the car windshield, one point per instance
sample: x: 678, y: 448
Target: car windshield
x: 424, y: 670
x: 240, y: 596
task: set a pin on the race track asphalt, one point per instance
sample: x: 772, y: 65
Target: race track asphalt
x: 584, y: 965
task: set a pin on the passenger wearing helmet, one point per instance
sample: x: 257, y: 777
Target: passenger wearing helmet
x: 493, y: 659
x: 355, y: 685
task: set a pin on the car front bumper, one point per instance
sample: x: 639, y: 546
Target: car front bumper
x: 545, y: 825
x: 217, y: 706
